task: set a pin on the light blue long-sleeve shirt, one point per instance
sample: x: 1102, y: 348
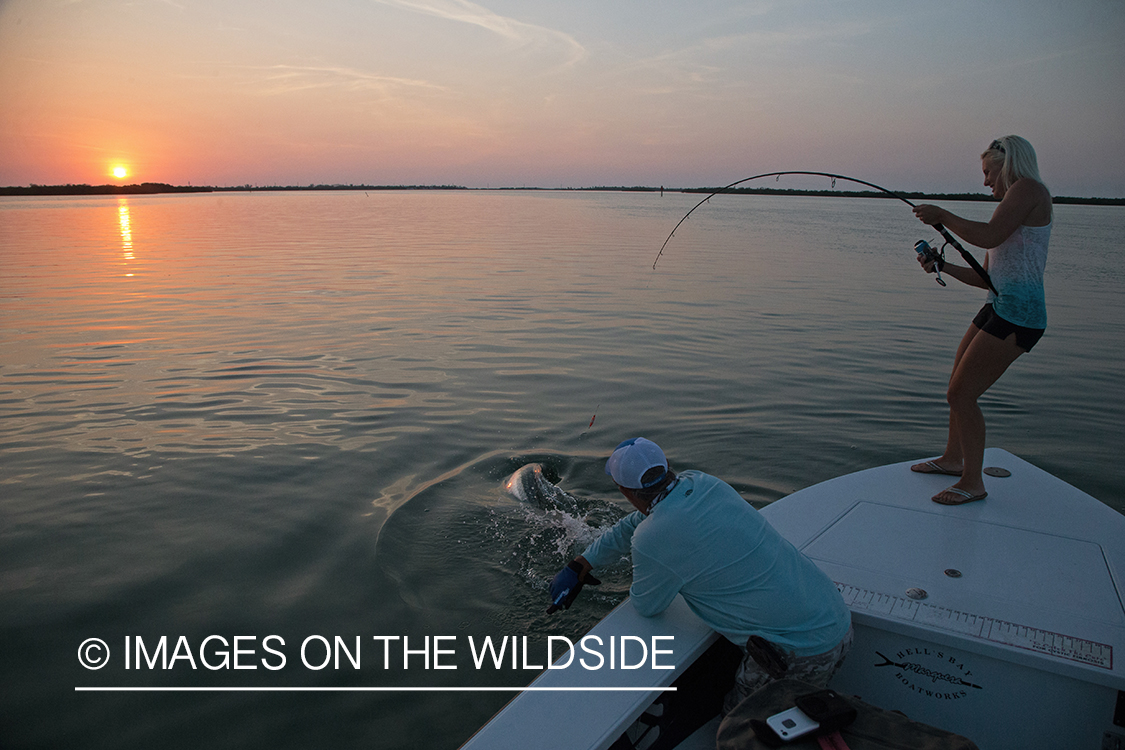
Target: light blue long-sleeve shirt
x: 734, y: 570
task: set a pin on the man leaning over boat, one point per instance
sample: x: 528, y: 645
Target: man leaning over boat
x: 693, y: 534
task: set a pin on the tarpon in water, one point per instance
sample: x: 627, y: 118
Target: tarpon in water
x: 529, y: 485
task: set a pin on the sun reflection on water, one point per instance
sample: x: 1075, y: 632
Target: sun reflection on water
x: 124, y: 222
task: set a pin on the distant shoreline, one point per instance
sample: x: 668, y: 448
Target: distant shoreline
x: 158, y: 188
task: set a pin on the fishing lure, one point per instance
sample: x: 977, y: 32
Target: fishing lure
x: 949, y: 238
x: 589, y: 426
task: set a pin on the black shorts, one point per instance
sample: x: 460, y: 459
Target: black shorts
x: 988, y: 321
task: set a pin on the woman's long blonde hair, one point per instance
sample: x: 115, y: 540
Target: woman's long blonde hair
x: 1017, y: 158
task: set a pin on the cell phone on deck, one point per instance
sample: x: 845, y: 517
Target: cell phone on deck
x: 791, y: 724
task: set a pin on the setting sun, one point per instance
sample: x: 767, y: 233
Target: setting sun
x: 120, y: 172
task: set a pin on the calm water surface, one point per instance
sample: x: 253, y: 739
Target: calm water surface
x: 291, y: 414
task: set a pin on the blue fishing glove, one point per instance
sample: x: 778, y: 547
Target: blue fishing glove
x: 566, y: 584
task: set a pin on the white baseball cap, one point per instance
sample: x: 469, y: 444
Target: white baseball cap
x: 631, y: 460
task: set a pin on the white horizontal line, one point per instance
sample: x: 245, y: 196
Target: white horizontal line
x: 366, y: 689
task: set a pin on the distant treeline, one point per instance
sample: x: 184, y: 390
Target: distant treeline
x: 145, y: 188
x: 821, y: 193
x: 256, y: 188
x: 151, y: 188
x: 910, y: 196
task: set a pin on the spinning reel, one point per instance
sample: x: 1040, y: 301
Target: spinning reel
x: 928, y: 254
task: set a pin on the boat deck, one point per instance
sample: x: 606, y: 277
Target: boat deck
x: 1034, y: 571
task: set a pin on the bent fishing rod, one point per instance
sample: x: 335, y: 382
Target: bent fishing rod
x: 949, y: 238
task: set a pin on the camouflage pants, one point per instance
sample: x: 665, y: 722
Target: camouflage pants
x: 817, y: 670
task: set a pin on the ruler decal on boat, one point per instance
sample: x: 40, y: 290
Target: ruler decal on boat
x: 977, y: 626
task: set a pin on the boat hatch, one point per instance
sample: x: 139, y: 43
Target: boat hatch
x: 951, y: 562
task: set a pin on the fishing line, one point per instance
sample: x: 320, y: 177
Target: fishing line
x: 949, y: 238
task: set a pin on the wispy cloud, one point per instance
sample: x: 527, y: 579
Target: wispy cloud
x: 711, y: 65
x: 289, y: 78
x: 518, y: 32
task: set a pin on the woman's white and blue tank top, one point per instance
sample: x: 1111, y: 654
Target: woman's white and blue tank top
x: 1016, y: 267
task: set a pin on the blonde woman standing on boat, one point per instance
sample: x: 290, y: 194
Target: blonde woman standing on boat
x: 1010, y: 323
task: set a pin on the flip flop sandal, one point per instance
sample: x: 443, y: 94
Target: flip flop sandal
x: 930, y: 467
x: 962, y: 496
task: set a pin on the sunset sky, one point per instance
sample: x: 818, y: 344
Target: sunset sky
x: 564, y: 93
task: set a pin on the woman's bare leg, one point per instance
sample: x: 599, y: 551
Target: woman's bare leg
x: 953, y: 458
x: 984, y: 359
